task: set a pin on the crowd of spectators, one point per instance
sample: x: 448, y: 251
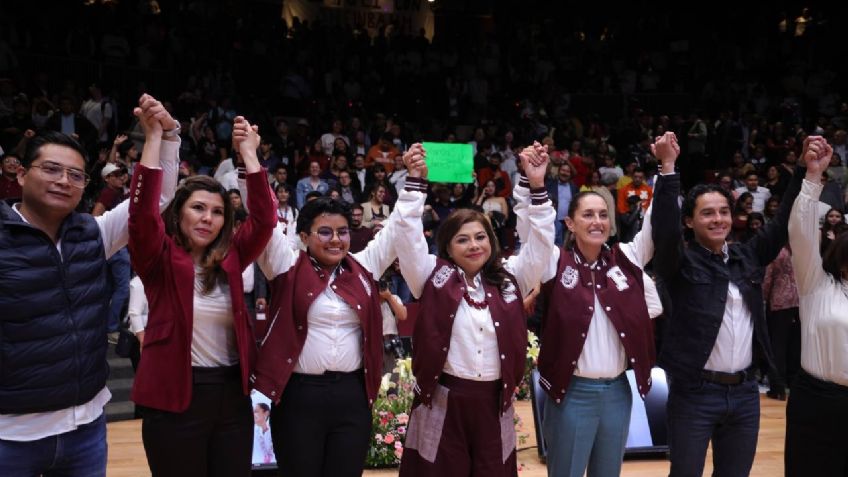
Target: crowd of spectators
x: 337, y: 106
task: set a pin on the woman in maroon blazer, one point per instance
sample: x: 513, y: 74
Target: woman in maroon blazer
x: 198, y: 349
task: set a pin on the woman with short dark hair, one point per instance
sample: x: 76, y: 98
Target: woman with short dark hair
x: 320, y: 361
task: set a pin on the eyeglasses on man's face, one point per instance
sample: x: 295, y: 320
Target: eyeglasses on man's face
x: 325, y: 234
x: 54, y: 172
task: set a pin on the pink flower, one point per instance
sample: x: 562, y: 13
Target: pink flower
x: 390, y: 415
x: 399, y: 453
x: 389, y: 438
x: 383, y: 422
x: 403, y: 418
x: 378, y: 438
x: 401, y: 430
x: 398, y: 445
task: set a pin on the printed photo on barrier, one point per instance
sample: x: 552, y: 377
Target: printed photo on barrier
x: 263, y: 448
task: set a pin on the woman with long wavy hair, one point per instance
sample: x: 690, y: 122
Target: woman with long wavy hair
x: 198, y: 348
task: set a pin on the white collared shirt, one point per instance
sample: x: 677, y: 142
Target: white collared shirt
x: 473, y: 352
x: 823, y: 300
x: 760, y: 194
x: 333, y: 338
x: 114, y: 234
x: 603, y: 355
x: 733, y: 348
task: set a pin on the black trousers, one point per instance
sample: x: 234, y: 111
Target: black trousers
x: 816, y: 423
x: 322, y: 426
x: 785, y: 335
x: 213, y: 437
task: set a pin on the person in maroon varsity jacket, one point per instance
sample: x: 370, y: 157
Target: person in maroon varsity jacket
x: 470, y: 340
x: 321, y: 359
x: 597, y: 324
x: 198, y: 349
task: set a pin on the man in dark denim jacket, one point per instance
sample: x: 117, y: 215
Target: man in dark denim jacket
x: 717, y: 316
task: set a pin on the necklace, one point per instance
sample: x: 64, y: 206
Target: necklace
x: 480, y: 305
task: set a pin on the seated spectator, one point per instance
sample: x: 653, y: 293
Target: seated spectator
x: 398, y: 177
x: 331, y: 175
x: 770, y: 212
x: 832, y: 193
x: 287, y: 212
x: 461, y: 195
x: 68, y: 121
x: 742, y: 209
x: 609, y: 166
x: 375, y: 210
x: 493, y: 172
x: 312, y: 183
x: 562, y: 190
x: 636, y: 187
x: 9, y: 187
x: 753, y: 187
x: 360, y: 175
x: 739, y: 168
x: 267, y: 157
x: 280, y: 176
x: 236, y: 200
x: 114, y: 192
x: 359, y: 235
x: 379, y: 176
x: 347, y: 190
x: 630, y: 222
x: 834, y: 225
x: 316, y: 154
x: 775, y: 183
x: 328, y: 140
x: 384, y: 152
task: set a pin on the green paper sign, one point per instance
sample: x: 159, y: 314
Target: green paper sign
x: 449, y: 162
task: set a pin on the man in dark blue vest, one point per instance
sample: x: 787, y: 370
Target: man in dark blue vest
x: 54, y: 293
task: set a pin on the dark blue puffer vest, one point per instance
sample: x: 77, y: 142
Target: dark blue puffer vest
x: 53, y: 314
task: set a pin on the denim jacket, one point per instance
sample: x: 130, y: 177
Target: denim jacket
x: 697, y: 282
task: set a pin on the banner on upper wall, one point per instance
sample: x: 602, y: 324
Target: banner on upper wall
x: 407, y: 16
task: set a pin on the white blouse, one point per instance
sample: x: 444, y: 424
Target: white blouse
x: 603, y: 355
x: 334, y: 340
x: 213, y: 338
x: 473, y: 352
x: 823, y: 300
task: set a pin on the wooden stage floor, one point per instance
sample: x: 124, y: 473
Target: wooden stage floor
x: 126, y: 455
